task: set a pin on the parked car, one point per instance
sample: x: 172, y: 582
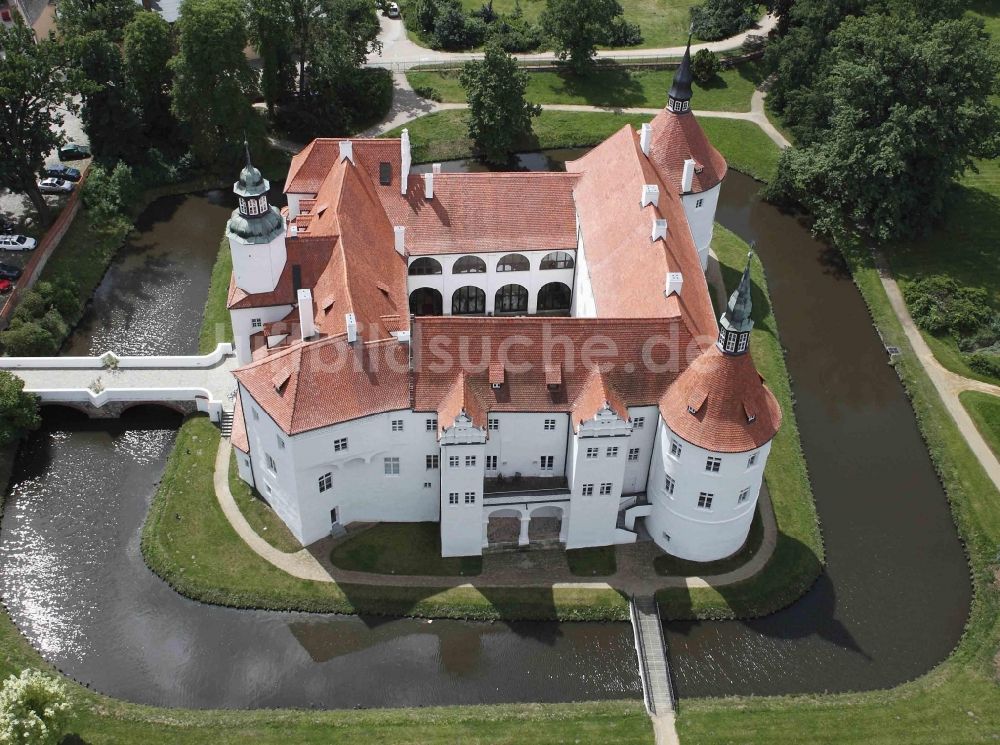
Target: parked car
x: 5, y: 285
x: 60, y: 171
x: 73, y: 151
x: 54, y: 186
x: 17, y: 243
x: 9, y: 271
x: 7, y: 225
x: 392, y: 10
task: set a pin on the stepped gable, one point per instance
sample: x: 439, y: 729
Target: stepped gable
x: 724, y: 391
x: 628, y: 270
x: 519, y: 351
x: 321, y: 383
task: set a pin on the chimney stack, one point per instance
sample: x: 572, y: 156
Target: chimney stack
x: 400, y: 232
x: 687, y: 178
x: 405, y: 160
x: 428, y: 186
x: 675, y: 280
x: 307, y: 326
x: 650, y: 195
x: 352, y: 327
x: 347, y: 150
x: 645, y: 138
x: 659, y: 230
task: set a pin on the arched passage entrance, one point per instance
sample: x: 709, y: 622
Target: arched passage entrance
x: 426, y: 301
x: 546, y: 525
x: 554, y: 297
x: 468, y: 301
x: 503, y: 528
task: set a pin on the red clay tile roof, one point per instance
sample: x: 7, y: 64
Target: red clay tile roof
x: 722, y: 389
x: 445, y: 348
x: 628, y: 271
x: 594, y: 394
x: 311, y: 166
x: 239, y: 434
x: 329, y: 381
x: 677, y: 137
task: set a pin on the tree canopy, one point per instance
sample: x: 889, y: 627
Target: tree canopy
x: 18, y: 410
x: 578, y: 26
x: 147, y: 50
x: 80, y: 17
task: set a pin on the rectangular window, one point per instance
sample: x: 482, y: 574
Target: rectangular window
x: 633, y: 453
x: 431, y: 462
x: 428, y: 485
x: 431, y: 424
x: 255, y: 323
x: 385, y: 173
x: 547, y: 462
x: 588, y: 490
x: 752, y: 460
x: 591, y: 453
x: 271, y: 465
x: 675, y: 448
x: 612, y: 452
x: 453, y: 497
x: 452, y: 461
x: 493, y: 424
x: 712, y: 465
x: 670, y: 485
x: 281, y: 444
x: 256, y: 415
x: 491, y: 463
x: 744, y: 496
x: 639, y: 422
x: 325, y: 482
x: 605, y: 489
x: 744, y: 338
x: 550, y: 424
x: 470, y: 497
x: 470, y: 461
x: 397, y: 425
x: 705, y: 501
x: 340, y: 445
x: 730, y: 342
x: 699, y: 203
x: 391, y: 466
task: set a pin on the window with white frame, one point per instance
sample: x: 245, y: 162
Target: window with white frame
x: 271, y: 465
x: 675, y: 448
x: 453, y: 461
x: 592, y: 453
x: 612, y: 452
x: 281, y: 443
x: 493, y: 424
x: 744, y: 496
x: 713, y: 464
x: 698, y: 203
x: 325, y: 482
x: 391, y: 466
x: 453, y: 497
x: 588, y: 490
x: 744, y: 340
x: 752, y: 460
x: 638, y: 422
x: 340, y: 445
x: 491, y: 463
x: 431, y: 424
x: 670, y: 485
x: 546, y: 462
x: 605, y: 488
x: 633, y: 453
x: 731, y: 342
x: 431, y: 462
x: 470, y: 497
x: 470, y: 461
x: 256, y: 323
x: 550, y: 424
x: 705, y: 501
x: 397, y: 425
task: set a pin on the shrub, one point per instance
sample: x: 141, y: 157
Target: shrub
x: 53, y: 322
x: 426, y: 13
x: 34, y: 709
x: 453, y: 29
x: 18, y: 414
x: 704, y: 66
x: 753, y: 44
x: 429, y: 92
x: 621, y: 33
x: 940, y: 305
x: 28, y: 339
x: 719, y: 19
x: 108, y: 196
x: 985, y: 363
x: 514, y: 34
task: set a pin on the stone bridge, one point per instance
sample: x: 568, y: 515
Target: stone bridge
x: 105, y: 386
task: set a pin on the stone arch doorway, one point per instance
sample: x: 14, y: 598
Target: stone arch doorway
x: 426, y: 301
x: 546, y: 525
x: 502, y: 528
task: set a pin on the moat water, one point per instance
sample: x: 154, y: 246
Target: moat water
x: 890, y: 605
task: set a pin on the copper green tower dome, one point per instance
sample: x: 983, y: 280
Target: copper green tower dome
x: 254, y: 221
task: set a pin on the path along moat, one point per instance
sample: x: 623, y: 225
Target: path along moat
x: 890, y: 606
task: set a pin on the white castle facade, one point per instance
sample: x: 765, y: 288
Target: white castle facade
x: 516, y: 356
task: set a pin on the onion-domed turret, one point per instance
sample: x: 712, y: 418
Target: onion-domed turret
x: 679, y: 98
x: 254, y: 221
x: 735, y: 323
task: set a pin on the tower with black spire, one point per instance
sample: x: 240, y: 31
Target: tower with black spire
x: 735, y: 323
x: 679, y: 98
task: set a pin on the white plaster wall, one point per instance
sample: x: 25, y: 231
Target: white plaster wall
x: 521, y: 441
x: 242, y: 320
x: 594, y: 517
x: 244, y: 467
x: 634, y: 479
x: 490, y: 281
x: 462, y: 524
x: 293, y: 203
x: 584, y: 302
x: 257, y: 267
x: 697, y: 534
x: 702, y: 219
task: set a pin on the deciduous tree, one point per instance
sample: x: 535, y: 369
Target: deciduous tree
x: 578, y: 26
x: 18, y: 414
x: 147, y: 50
x: 79, y: 17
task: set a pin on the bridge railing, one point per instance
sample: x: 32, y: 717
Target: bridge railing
x: 111, y: 360
x: 202, y: 397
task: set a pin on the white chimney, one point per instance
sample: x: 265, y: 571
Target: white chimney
x: 428, y: 186
x: 405, y: 161
x: 645, y: 137
x: 650, y: 195
x: 675, y: 280
x: 659, y: 229
x: 352, y: 327
x: 306, y: 323
x: 687, y: 178
x: 436, y: 168
x: 347, y: 150
x: 400, y: 233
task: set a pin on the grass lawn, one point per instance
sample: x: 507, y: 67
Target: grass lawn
x: 985, y: 412
x: 668, y: 565
x: 443, y: 136
x: 957, y: 702
x: 402, y: 548
x: 613, y: 87
x: 592, y: 562
x: 217, y: 325
x: 664, y: 23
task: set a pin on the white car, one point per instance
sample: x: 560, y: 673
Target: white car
x: 17, y: 243
x: 392, y: 10
x: 55, y: 186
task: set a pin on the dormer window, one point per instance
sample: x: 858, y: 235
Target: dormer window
x: 692, y: 410
x: 252, y: 207
x: 744, y: 340
x: 751, y: 418
x: 731, y: 342
x: 263, y: 204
